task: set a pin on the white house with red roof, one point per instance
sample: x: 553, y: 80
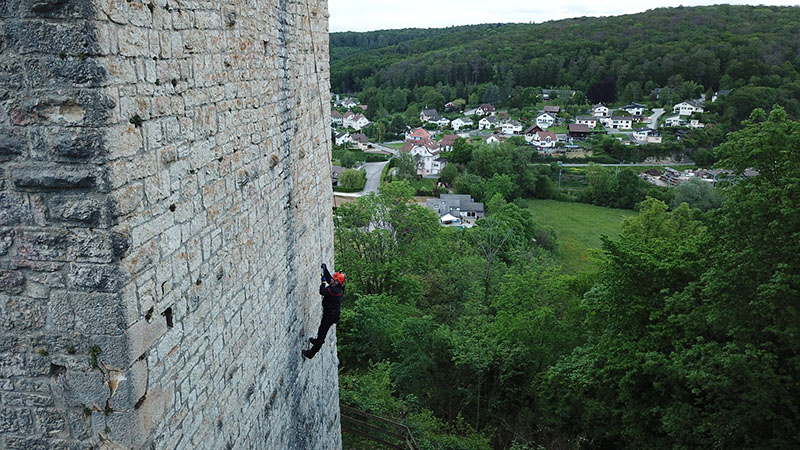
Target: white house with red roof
x: 427, y: 150
x: 545, y: 139
x: 418, y: 134
x: 355, y: 121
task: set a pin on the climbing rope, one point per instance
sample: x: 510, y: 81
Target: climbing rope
x: 320, y: 217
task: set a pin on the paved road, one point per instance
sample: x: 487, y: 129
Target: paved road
x: 374, y: 170
x: 657, y: 112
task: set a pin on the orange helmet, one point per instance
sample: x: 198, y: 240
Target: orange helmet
x: 339, y: 276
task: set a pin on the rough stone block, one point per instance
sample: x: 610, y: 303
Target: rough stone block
x: 58, y: 9
x: 93, y: 277
x: 22, y: 314
x: 20, y: 399
x: 12, y: 142
x: 73, y: 39
x: 6, y: 240
x: 85, y: 388
x: 57, y: 177
x: 12, y: 281
x: 52, y: 422
x: 76, y: 210
x: 90, y: 313
x: 14, y: 210
x: 81, y: 145
x: 51, y: 245
x: 25, y: 443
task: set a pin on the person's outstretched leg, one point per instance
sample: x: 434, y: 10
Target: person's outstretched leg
x: 324, y: 326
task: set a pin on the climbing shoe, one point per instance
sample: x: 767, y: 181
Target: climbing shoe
x: 307, y: 354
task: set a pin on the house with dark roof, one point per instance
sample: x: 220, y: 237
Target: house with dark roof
x: 485, y: 109
x: 553, y: 110
x: 488, y: 122
x: 579, y: 131
x: 531, y: 131
x: 599, y: 110
x: 634, y: 109
x: 457, y: 205
x: 360, y: 140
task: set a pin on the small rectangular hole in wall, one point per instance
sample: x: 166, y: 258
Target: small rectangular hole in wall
x: 56, y: 370
x: 168, y: 316
x: 148, y: 315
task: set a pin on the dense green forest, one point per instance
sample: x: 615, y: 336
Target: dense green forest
x: 685, y: 337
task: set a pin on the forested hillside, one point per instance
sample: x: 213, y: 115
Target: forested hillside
x: 753, y: 50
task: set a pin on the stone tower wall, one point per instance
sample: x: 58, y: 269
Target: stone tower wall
x: 164, y: 207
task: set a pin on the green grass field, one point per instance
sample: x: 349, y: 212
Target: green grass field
x: 578, y: 228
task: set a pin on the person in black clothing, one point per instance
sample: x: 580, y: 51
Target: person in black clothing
x: 331, y: 308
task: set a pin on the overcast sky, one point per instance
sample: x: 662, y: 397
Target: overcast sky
x: 360, y: 15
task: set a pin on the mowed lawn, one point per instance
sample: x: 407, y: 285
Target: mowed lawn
x: 578, y: 228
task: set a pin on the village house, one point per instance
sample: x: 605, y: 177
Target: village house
x: 485, y: 109
x: 589, y: 121
x: 493, y: 139
x: 457, y: 206
x: 335, y: 172
x: 545, y: 139
x: 360, y: 140
x: 336, y: 118
x: 695, y: 123
x: 578, y: 130
x: 647, y: 136
x: 446, y: 143
x: 599, y: 110
x: 530, y: 133
x: 355, y: 121
x: 634, y: 109
x: 674, y: 121
x: 418, y: 134
x: 552, y: 110
x: 687, y: 108
x: 428, y: 152
x: 428, y: 115
x: 347, y: 103
x: 341, y: 137
x: 618, y: 123
x: 461, y: 122
x: 512, y: 127
x: 545, y: 120
x: 486, y: 123
x: 720, y: 93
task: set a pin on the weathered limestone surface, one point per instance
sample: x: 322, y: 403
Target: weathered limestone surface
x: 164, y: 208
